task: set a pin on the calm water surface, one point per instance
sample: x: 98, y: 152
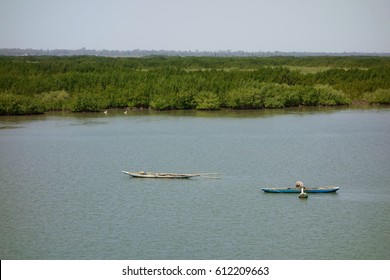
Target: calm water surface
x: 63, y: 196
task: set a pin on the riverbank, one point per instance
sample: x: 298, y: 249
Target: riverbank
x: 34, y: 85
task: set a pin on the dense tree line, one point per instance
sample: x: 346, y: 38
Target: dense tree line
x: 86, y: 83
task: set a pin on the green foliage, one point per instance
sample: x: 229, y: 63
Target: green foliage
x: 274, y: 95
x: 173, y: 100
x: 54, y: 100
x: 87, y: 101
x: 328, y: 96
x: 159, y: 102
x: 380, y: 96
x: 244, y: 98
x: 207, y: 100
x: 81, y: 83
x: 11, y: 104
x: 138, y: 96
x: 184, y: 99
x: 279, y: 96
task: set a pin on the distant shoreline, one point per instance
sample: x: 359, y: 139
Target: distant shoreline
x: 191, y: 53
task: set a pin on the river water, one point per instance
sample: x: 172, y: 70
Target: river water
x: 63, y: 196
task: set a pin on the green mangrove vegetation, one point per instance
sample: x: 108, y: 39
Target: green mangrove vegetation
x: 37, y: 84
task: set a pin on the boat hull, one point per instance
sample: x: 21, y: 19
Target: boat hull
x: 328, y: 189
x: 160, y: 175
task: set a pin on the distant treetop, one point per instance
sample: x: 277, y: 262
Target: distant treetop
x: 143, y: 53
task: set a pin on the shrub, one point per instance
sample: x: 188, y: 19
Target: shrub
x: 86, y: 101
x: 207, y: 100
x: 54, y: 100
x: 159, y: 102
x: 12, y: 104
x: 244, y: 98
x: 380, y: 96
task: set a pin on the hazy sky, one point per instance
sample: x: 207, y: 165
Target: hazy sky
x: 204, y: 25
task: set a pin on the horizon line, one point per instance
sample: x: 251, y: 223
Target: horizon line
x: 167, y: 52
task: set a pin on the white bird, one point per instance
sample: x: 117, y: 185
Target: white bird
x: 125, y: 112
x: 105, y: 112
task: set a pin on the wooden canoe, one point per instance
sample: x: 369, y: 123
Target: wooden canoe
x: 160, y: 175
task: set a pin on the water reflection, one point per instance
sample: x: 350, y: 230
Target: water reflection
x: 10, y: 126
x: 90, y: 118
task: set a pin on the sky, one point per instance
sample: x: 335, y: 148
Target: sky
x: 197, y: 25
